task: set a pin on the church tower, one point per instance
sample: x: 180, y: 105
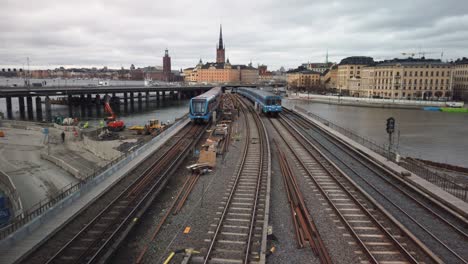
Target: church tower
x: 220, y: 47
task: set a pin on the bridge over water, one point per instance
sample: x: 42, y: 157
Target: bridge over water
x: 91, y: 96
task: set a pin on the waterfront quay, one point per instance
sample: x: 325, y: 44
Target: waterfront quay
x: 249, y: 188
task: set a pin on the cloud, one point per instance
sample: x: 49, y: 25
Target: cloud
x: 118, y: 33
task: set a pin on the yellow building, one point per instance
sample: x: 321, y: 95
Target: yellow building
x: 350, y: 69
x: 213, y: 72
x: 330, y: 77
x: 300, y: 78
x: 412, y: 79
x: 190, y: 75
x: 367, y: 83
x: 460, y: 80
x: 221, y: 71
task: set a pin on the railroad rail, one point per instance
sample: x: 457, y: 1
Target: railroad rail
x: 437, y: 232
x: 96, y: 240
x: 304, y: 225
x: 238, y: 230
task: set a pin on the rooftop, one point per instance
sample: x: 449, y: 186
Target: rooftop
x: 360, y: 60
x: 411, y: 61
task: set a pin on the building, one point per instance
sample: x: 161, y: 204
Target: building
x: 367, y: 83
x: 412, y: 79
x: 350, y: 69
x: 302, y: 78
x: 221, y: 71
x: 330, y: 77
x: 166, y: 66
x: 460, y: 79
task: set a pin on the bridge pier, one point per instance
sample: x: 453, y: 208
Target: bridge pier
x: 29, y: 107
x: 132, y: 102
x: 9, y: 107
x: 97, y: 102
x: 140, y: 102
x: 89, y: 105
x: 157, y: 96
x: 147, y: 99
x: 126, y: 102
x: 83, y: 105
x: 116, y: 103
x: 48, y: 109
x: 21, y: 107
x: 38, y: 108
x: 70, y: 105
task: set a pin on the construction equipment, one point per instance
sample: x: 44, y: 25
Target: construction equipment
x: 153, y: 126
x: 112, y: 123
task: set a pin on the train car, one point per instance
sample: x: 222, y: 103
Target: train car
x: 268, y: 102
x: 202, y: 107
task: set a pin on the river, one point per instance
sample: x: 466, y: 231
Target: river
x: 436, y: 136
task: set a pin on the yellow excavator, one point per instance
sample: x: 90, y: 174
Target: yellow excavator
x: 152, y: 127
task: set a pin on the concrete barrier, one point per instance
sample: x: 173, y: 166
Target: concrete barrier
x: 63, y: 164
x: 9, y: 188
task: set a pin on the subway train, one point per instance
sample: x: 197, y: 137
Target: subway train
x: 268, y: 102
x: 202, y: 106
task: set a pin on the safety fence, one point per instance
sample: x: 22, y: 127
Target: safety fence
x: 46, y: 204
x: 443, y: 181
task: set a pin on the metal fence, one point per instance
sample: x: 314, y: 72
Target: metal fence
x: 45, y: 204
x: 443, y: 181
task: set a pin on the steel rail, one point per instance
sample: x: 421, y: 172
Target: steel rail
x: 307, y: 124
x: 350, y: 228
x: 247, y: 148
x: 297, y: 201
x: 258, y: 185
x: 131, y: 187
x: 415, y: 221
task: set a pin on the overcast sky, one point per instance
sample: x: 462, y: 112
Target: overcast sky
x: 118, y: 33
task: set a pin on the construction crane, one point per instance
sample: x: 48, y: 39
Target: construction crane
x: 411, y: 55
x: 112, y: 123
x: 421, y: 54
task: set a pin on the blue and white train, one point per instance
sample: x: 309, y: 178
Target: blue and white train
x: 268, y: 102
x: 203, y: 106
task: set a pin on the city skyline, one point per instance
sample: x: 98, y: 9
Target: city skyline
x: 87, y: 34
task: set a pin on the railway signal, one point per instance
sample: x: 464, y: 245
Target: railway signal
x: 390, y: 125
x: 390, y: 129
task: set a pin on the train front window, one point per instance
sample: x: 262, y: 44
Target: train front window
x: 198, y: 106
x: 278, y: 102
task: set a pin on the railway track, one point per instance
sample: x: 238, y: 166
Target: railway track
x: 95, y: 240
x: 441, y: 235
x: 236, y: 236
x: 360, y: 218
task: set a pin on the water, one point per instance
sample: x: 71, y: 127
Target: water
x: 436, y: 136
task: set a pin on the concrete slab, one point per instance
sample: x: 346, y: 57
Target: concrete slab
x: 456, y: 204
x: 35, y: 178
x: 14, y: 248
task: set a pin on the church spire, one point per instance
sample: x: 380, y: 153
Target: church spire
x: 220, y: 50
x: 220, y: 45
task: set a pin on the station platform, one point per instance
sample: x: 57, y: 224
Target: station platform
x: 456, y: 205
x: 31, y: 235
